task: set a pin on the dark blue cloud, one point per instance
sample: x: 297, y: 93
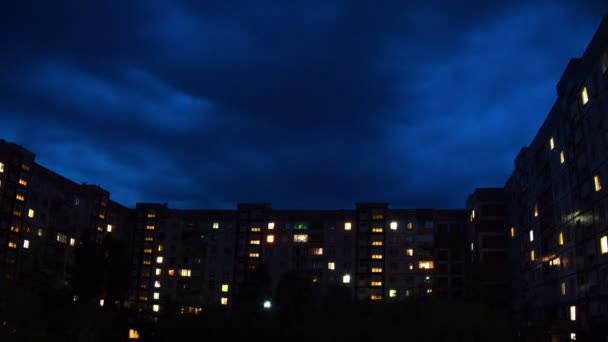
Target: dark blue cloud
x: 304, y: 104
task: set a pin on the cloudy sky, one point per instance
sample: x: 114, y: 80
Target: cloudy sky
x: 305, y: 104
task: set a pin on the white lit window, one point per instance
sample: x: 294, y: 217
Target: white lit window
x: 270, y: 225
x: 551, y: 143
x: 472, y: 214
x: 394, y: 225
x: 185, y: 272
x: 411, y: 267
x: 72, y: 242
x: 535, y: 210
x: 604, y: 244
x: 573, y: 313
x: 563, y: 288
x: 410, y: 225
x: 409, y: 252
x: 1, y: 167
x: 216, y: 225
x: 270, y: 239
x: 26, y: 244
x: 317, y: 251
x: 102, y: 302
x: 331, y: 265
x: 224, y: 288
x: 348, y: 226
x: 158, y: 271
x: 562, y: 157
x: 30, y: 213
x: 300, y: 238
x: 472, y: 246
x: 156, y: 295
x: 159, y: 260
x: 62, y: 238
x: 156, y: 283
x: 584, y: 96
x: 598, y: 185
x: 531, y: 235
x: 155, y: 307
x: 346, y: 278
x: 224, y: 301
x: 109, y: 228
x: 392, y: 293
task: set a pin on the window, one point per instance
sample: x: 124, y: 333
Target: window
x: 159, y: 260
x: 604, y: 244
x: 109, y: 228
x: 1, y: 167
x: 472, y: 246
x: 376, y: 256
x: 184, y: 272
x: 150, y: 227
x: 532, y: 256
x: 224, y: 288
x: 472, y: 215
x: 254, y: 242
x: 377, y: 230
x: 392, y: 293
x: 254, y: 255
x: 560, y: 238
x: 563, y: 288
x: 425, y: 265
x: 72, y: 242
x: 573, y: 312
x: 155, y: 307
x: 171, y: 272
x: 346, y: 279
x: 409, y: 252
x: 531, y: 235
x: 20, y: 198
x: 62, y: 238
x: 562, y: 157
x: 598, y: 185
x: 17, y: 213
x: 158, y: 271
x: 156, y: 283
x: 102, y: 216
x: 26, y: 244
x: 317, y: 251
x: 270, y: 225
x: 40, y: 232
x: 147, y: 250
x: 376, y: 283
x: 216, y: 225
x: 151, y: 215
x: 410, y: 225
x: 224, y: 301
x: 147, y: 262
x: 12, y: 245
x: 22, y: 182
x: 270, y: 239
x: 408, y: 293
x: 535, y: 210
x: 25, y: 167
x: 133, y: 334
x: 584, y: 96
x: 149, y: 239
x: 375, y: 297
x: 331, y: 265
x: 348, y: 226
x: 160, y: 248
x: 394, y: 225
x: 376, y: 270
x: 512, y: 231
x: 376, y: 243
x: 429, y: 291
x: 572, y: 336
x: 551, y: 143
x: 101, y: 302
x: 256, y: 229
x: 300, y: 238
x: 15, y: 229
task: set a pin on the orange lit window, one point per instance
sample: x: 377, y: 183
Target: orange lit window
x: 376, y: 297
x: 256, y: 229
x: 429, y: 291
x: 425, y: 265
x: 254, y: 255
x: 17, y: 213
x: 150, y: 227
x: 535, y: 210
x: 376, y: 243
x: 12, y: 245
x: 560, y: 238
x: 376, y: 270
x: 317, y: 251
x: 25, y: 167
x: 102, y: 216
x: 584, y: 96
x: 300, y: 238
x: 331, y: 265
x: 147, y: 250
x: 171, y: 272
x: 15, y: 229
x: 270, y: 239
x: 512, y: 231
x: 149, y: 239
x: 377, y: 230
x: 598, y: 184
x: 20, y: 198
x: 409, y: 252
x: 532, y: 256
x: 22, y: 182
x: 151, y: 215
x: 254, y: 242
x: 376, y: 256
x: 147, y: 262
x: 376, y: 283
x: 551, y: 143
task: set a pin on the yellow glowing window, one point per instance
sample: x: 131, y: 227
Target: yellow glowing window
x: 535, y: 210
x: 376, y: 270
x: 331, y: 265
x: 133, y: 334
x: 317, y: 251
x: 376, y: 256
x: 408, y: 293
x: 149, y: 239
x: 409, y: 252
x: 376, y: 283
x: 429, y: 291
x: 160, y: 248
x: 563, y: 288
x: 598, y: 185
x: 224, y: 287
x: 184, y: 272
x: 254, y: 255
x: 20, y: 198
x: 147, y: 262
x: 109, y: 228
x: 270, y: 225
x: 1, y: 167
x: 300, y: 238
x: 425, y: 265
x: 156, y: 295
x: 392, y: 293
x: 150, y: 227
x: 22, y: 182
x: 410, y: 225
x: 512, y: 231
x: 531, y: 235
x: 159, y: 260
x: 99, y: 229
x: 560, y: 238
x: 15, y: 229
x: 147, y: 250
x: 30, y: 213
x: 224, y: 301
x: 270, y: 239
x: 12, y: 245
x: 216, y: 225
x: 551, y: 143
x: 158, y: 271
x: 171, y: 272
x: 377, y: 230
x: 555, y: 262
x: 151, y: 215
x: 376, y: 297
x: 376, y: 243
x: 254, y: 242
x: 102, y: 216
x: 346, y: 278
x: 604, y: 244
x: 156, y: 284
x: 562, y: 157
x: 26, y: 244
x: 156, y: 308
x: 532, y: 256
x: 348, y: 226
x: 573, y: 313
x: 584, y: 96
x: 256, y: 229
x: 394, y: 225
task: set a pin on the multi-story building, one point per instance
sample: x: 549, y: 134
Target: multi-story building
x: 556, y: 208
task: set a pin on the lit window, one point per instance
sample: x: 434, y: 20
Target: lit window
x: 410, y: 225
x: 147, y: 250
x: 1, y: 167
x: 30, y: 213
x: 26, y: 244
x: 109, y: 228
x: 584, y: 96
x: 425, y: 265
x: 408, y: 293
x: 376, y: 243
x: 15, y: 229
x: 560, y: 238
x: 531, y: 235
x: 147, y: 262
x: 598, y: 185
x: 376, y: 256
x: 348, y: 226
x: 604, y: 244
x: 563, y: 288
x: 101, y: 302
x: 160, y: 248
x: 254, y: 255
x: 216, y: 225
x: 562, y: 157
x: 151, y: 215
x: 159, y: 271
x: 270, y: 239
x: 72, y: 242
x: 394, y: 225
x: 40, y: 231
x: 346, y: 278
x: 20, y: 198
x: 315, y: 279
x: 331, y: 265
x: 254, y: 242
x: 224, y: 301
x: 411, y: 267
x: 376, y: 230
x: 376, y: 270
x: 159, y: 260
x: 270, y: 225
x: 551, y: 143
x: 224, y: 287
x: 185, y: 272
x: 133, y: 334
x: 155, y: 307
x: 532, y: 256
x: 149, y: 239
x: 392, y: 293
x: 429, y: 291
x: 409, y: 252
x: 25, y: 167
x: 376, y: 283
x: 22, y: 182
x: 157, y: 283
x: 472, y: 246
x: 573, y: 313
x: 256, y: 229
x: 150, y: 227
x: 12, y: 245
x: 17, y: 213
x: 572, y: 336
x: 102, y: 216
x: 62, y: 238
x: 512, y: 231
x: 171, y: 272
x: 300, y: 238
x: 317, y: 251
x: 375, y: 297
x: 99, y: 229
x: 555, y: 262
x: 535, y: 210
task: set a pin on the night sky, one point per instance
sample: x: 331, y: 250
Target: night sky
x: 305, y: 104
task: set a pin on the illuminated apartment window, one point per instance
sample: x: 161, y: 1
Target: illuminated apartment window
x: 376, y: 243
x: 254, y: 255
x: 147, y: 250
x: 376, y: 297
x: 317, y: 251
x: 300, y: 238
x: 31, y: 213
x: 531, y: 235
x: 584, y: 96
x: 376, y: 270
x: 562, y: 157
x: 256, y: 229
x: 532, y: 256
x: 535, y: 210
x: 425, y: 265
x: 109, y: 228
x: 472, y: 246
x: 472, y: 215
x: 410, y: 225
x: 376, y: 256
x: 62, y: 238
x: 72, y: 242
x: 150, y: 227
x: 596, y: 181
x: 604, y: 244
x: 512, y: 231
x: 149, y: 239
x: 1, y: 167
x: 409, y: 252
x: 40, y: 232
x: 348, y: 226
x: 151, y: 215
x: 315, y: 279
x: 573, y: 313
x: 15, y: 229
x: 17, y: 213
x: 12, y: 245
x: 26, y: 244
x: 156, y: 283
x: 22, y: 182
x: 572, y: 336
x: 159, y: 260
x: 158, y: 271
x: 563, y: 288
x: 224, y: 288
x: 331, y: 265
x: 394, y: 225
x: 160, y: 248
x: 147, y: 262
x: 551, y: 143
x: 102, y: 216
x: 377, y: 230
x: 155, y: 307
x: 376, y: 283
x: 560, y: 238
x: 270, y: 239
x: 20, y: 198
x: 25, y: 167
x: 216, y: 225
x: 101, y: 302
x: 133, y: 334
x: 346, y: 279
x: 429, y: 291
x: 392, y: 293
x: 224, y: 301
x: 408, y: 293
x: 171, y: 272
x: 411, y: 266
x: 99, y: 229
x: 254, y: 242
x: 270, y: 225
x: 184, y: 272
